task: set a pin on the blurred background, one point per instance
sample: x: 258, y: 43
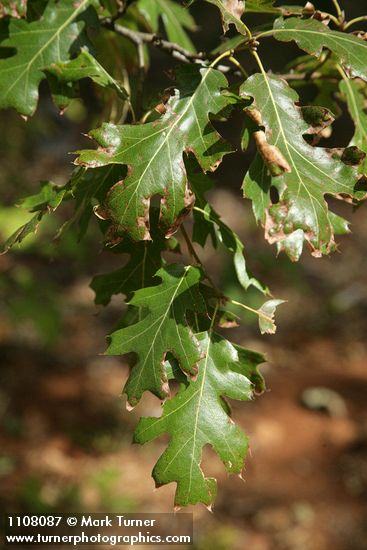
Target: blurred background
x: 65, y: 436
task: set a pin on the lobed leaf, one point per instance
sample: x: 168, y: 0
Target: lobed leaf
x: 198, y: 415
x: 312, y: 36
x: 301, y: 212
x: 267, y: 6
x: 154, y: 152
x: 47, y: 199
x: 37, y: 45
x: 163, y: 329
x: 261, y: 6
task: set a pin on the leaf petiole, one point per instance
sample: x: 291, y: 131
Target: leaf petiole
x: 252, y: 310
x: 227, y: 53
x: 360, y: 19
x: 338, y: 9
x: 237, y: 64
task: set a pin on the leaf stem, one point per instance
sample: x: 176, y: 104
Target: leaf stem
x: 259, y: 62
x: 237, y: 64
x: 138, y: 37
x: 360, y: 19
x: 337, y: 22
x: 342, y: 73
x: 264, y: 34
x: 338, y: 10
x: 256, y: 311
x: 247, y: 30
x: 227, y: 53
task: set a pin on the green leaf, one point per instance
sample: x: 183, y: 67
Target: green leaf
x: 340, y: 225
x: 38, y: 44
x: 13, y: 8
x: 198, y: 415
x: 354, y: 93
x: 312, y: 36
x: 266, y: 316
x: 154, y: 154
x: 301, y: 212
x: 175, y: 19
x: 86, y: 66
x: 164, y: 329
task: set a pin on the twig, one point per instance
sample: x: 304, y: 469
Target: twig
x: 362, y: 18
x: 177, y: 52
x: 338, y: 10
x: 138, y: 37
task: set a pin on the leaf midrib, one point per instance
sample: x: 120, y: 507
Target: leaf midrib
x: 286, y: 144
x: 205, y: 366
x: 166, y: 140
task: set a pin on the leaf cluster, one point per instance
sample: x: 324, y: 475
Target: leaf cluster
x: 148, y: 176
